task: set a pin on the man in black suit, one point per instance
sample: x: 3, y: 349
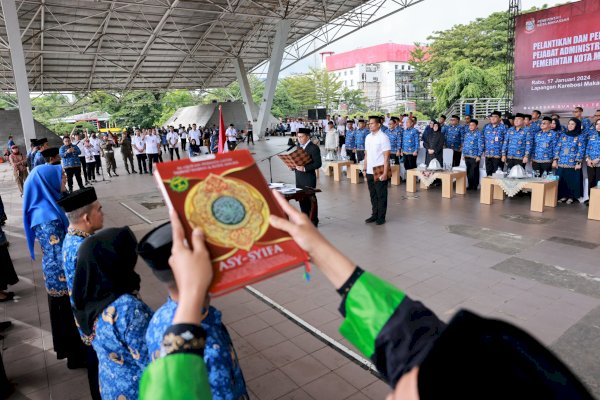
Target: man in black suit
x: 305, y: 175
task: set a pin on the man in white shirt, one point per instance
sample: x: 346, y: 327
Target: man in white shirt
x: 173, y: 142
x: 182, y: 136
x: 376, y: 166
x: 77, y: 141
x: 152, y: 143
x: 195, y: 134
x: 231, y: 135
x: 139, y: 149
x: 96, y: 142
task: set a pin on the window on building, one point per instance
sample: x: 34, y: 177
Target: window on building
x: 396, y: 66
x: 403, y: 68
x: 351, y: 72
x: 351, y: 82
x: 345, y: 73
x: 364, y: 76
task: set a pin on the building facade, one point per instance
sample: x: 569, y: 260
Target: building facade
x: 381, y: 72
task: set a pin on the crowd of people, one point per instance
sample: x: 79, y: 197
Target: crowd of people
x: 183, y: 350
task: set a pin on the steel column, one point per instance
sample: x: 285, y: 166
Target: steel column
x: 13, y: 31
x: 249, y: 105
x: 281, y: 35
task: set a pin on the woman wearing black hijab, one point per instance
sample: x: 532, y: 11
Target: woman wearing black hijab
x: 568, y: 156
x: 107, y: 309
x: 434, y: 144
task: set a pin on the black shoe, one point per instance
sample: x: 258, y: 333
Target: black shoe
x: 115, y: 174
x: 9, y: 297
x: 370, y: 219
x: 380, y: 222
x: 5, y: 325
x: 135, y: 172
x: 76, y: 363
x: 128, y: 173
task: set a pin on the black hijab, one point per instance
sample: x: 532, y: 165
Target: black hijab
x: 577, y: 130
x: 104, y: 272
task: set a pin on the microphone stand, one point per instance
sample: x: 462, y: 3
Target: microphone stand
x: 268, y: 158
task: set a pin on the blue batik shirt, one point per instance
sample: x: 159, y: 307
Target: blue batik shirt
x: 535, y: 127
x: 542, y: 146
x: 493, y: 140
x: 410, y: 141
x: 569, y: 150
x: 361, y: 135
x: 593, y: 145
x: 454, y: 137
x: 350, y: 139
x: 517, y: 143
x: 38, y: 159
x: 70, y: 159
x: 119, y: 341
x: 586, y: 124
x: 224, y: 373
x: 384, y: 129
x: 392, y: 135
x: 473, y: 144
x: 51, y: 236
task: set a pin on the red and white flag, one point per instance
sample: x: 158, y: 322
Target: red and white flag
x: 223, y: 148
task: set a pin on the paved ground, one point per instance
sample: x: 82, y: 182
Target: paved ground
x: 539, y: 271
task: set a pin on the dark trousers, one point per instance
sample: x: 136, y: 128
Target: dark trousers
x: 141, y: 159
x: 351, y: 155
x: 91, y: 359
x: 231, y: 145
x: 378, y: 191
x: 472, y: 172
x: 65, y: 337
x: 91, y: 176
x: 74, y: 171
x: 410, y: 161
x: 395, y: 158
x: 128, y: 157
x: 183, y: 144
x: 171, y: 150
x: 98, y: 163
x: 152, y: 159
x: 456, y: 156
x: 308, y: 206
x: 83, y: 168
x: 492, y: 165
x: 593, y: 177
x: 360, y: 155
x: 543, y: 167
x: 511, y: 162
x: 250, y: 137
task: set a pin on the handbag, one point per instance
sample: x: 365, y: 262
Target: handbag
x: 378, y: 171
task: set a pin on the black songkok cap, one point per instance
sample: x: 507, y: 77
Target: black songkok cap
x: 306, y: 131
x: 501, y: 361
x: 520, y: 115
x: 395, y: 119
x: 473, y: 120
x: 496, y: 113
x: 50, y: 152
x: 547, y: 119
x: 155, y: 249
x: 536, y: 111
x: 361, y: 120
x: 528, y: 116
x: 377, y: 117
x: 42, y: 141
x: 455, y: 116
x: 443, y: 116
x: 33, y: 141
x: 78, y: 199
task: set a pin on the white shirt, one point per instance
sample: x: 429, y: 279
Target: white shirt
x: 387, y: 121
x: 137, y: 142
x: 95, y: 145
x: 404, y: 121
x: 183, y: 133
x: 152, y: 143
x: 376, y: 144
x: 194, y: 134
x: 81, y: 145
x: 88, y: 152
x: 172, y: 139
x: 231, y: 134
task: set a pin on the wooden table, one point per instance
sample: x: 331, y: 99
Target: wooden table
x: 447, y: 178
x: 543, y: 193
x: 337, y: 168
x: 594, y: 209
x: 354, y: 174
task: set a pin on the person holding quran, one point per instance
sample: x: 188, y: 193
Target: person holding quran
x: 419, y: 356
x: 306, y: 175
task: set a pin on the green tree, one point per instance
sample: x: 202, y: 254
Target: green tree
x: 233, y: 92
x: 8, y: 101
x: 173, y: 100
x: 139, y: 108
x: 327, y: 87
x: 355, y: 99
x: 301, y: 89
x: 50, y: 106
x: 464, y: 79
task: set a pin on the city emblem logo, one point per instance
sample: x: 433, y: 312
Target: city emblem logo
x: 530, y: 25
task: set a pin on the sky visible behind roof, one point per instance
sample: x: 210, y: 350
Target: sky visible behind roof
x: 415, y: 24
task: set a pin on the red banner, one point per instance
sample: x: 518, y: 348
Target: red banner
x: 557, y: 58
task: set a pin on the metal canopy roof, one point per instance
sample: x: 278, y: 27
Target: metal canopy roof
x: 79, y: 45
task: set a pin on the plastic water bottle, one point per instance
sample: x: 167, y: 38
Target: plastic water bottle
x: 545, y: 175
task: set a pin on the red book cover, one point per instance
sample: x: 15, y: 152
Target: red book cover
x: 227, y: 196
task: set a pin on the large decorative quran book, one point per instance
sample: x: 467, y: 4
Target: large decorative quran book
x: 227, y: 196
x: 296, y: 158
